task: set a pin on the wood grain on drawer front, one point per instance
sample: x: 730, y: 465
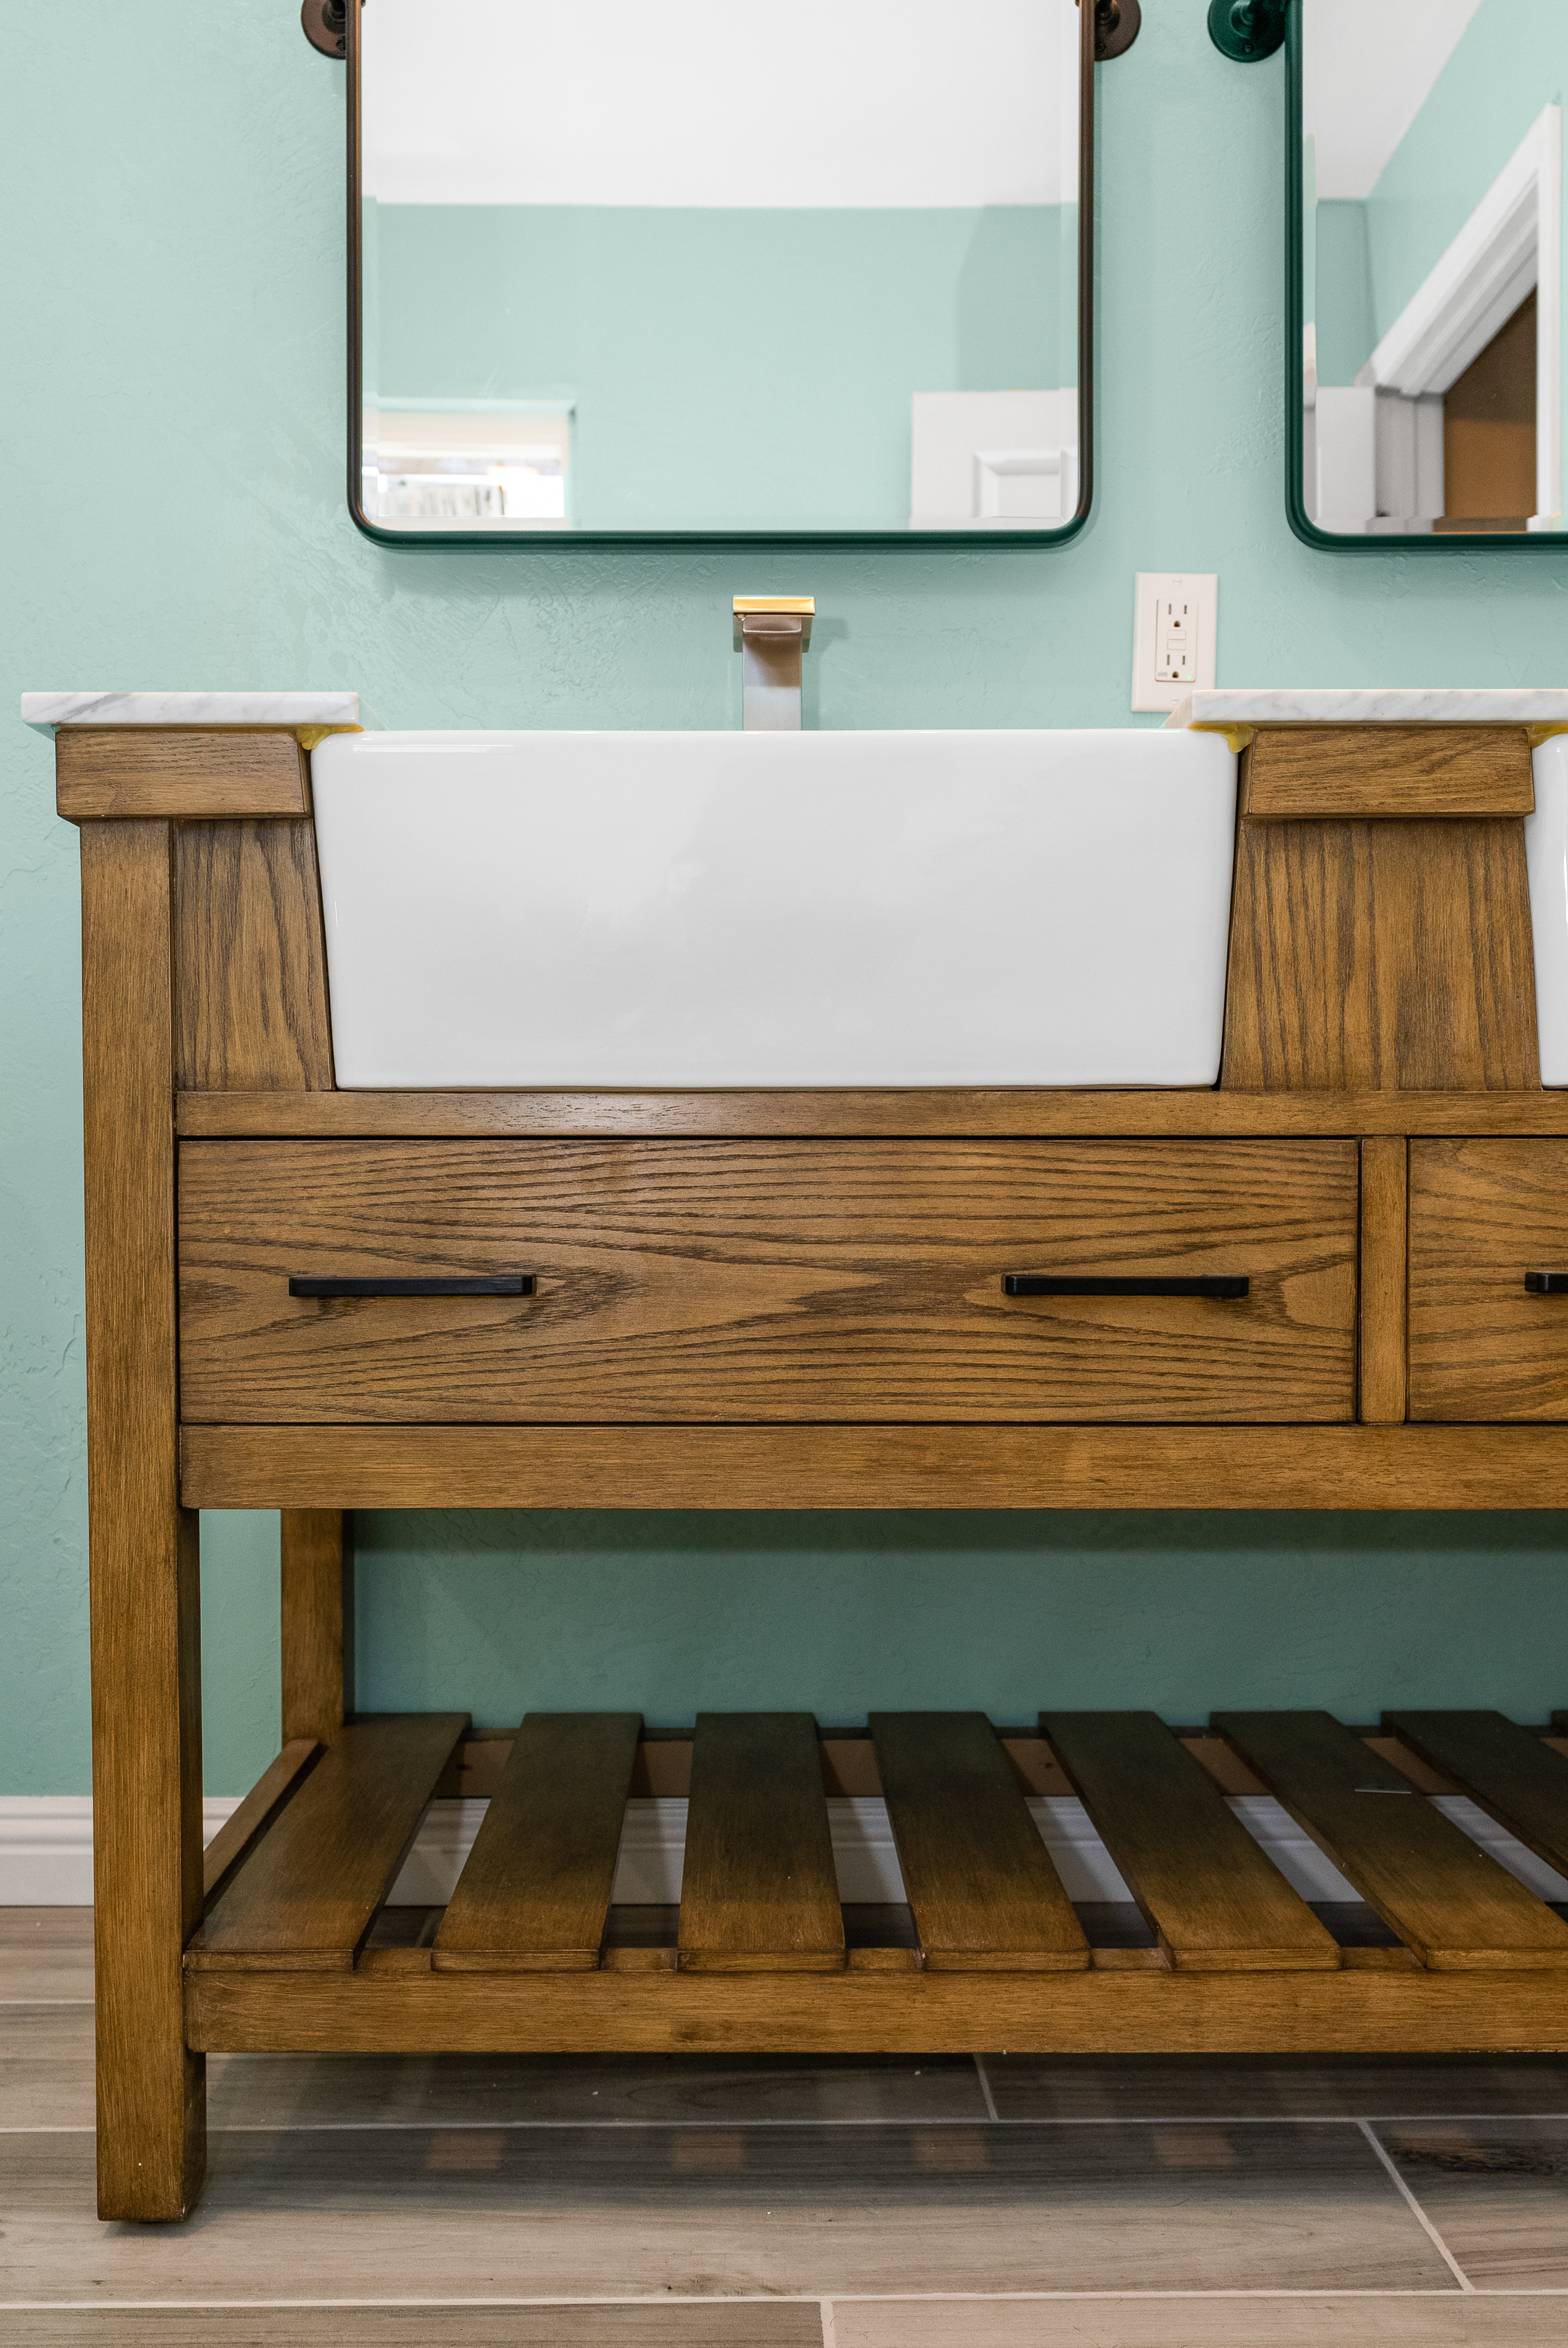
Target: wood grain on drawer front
x: 766, y: 1280
x: 1483, y: 1214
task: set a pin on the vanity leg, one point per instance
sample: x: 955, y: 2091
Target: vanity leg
x: 314, y: 1546
x: 144, y: 1562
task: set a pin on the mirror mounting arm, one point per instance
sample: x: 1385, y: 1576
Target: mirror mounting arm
x: 1247, y: 30
x: 1117, y: 24
x: 324, y: 23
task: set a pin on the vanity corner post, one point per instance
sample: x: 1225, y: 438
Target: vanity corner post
x: 144, y: 1561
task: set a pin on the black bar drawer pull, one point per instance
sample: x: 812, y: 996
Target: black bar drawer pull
x: 1547, y: 1283
x: 496, y: 1284
x: 1049, y: 1283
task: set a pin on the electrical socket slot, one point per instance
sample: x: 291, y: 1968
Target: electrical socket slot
x: 1175, y: 641
x: 1176, y: 619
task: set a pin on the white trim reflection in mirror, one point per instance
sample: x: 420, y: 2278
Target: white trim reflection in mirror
x: 429, y: 464
x: 992, y: 459
x: 1433, y: 246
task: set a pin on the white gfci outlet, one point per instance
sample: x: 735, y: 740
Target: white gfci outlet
x: 1175, y: 622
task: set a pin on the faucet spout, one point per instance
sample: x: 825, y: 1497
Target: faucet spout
x: 771, y: 632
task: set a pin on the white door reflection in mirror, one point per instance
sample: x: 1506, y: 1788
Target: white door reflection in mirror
x: 1432, y: 266
x: 717, y: 268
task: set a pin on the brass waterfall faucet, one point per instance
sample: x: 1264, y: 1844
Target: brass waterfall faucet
x: 771, y: 630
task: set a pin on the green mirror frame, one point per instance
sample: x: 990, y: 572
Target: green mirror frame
x: 1331, y: 542
x: 959, y: 540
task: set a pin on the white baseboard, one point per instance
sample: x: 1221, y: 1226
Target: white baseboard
x: 47, y: 1847
x: 46, y: 1850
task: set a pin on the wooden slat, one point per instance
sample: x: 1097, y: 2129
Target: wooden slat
x: 984, y: 1894
x: 874, y: 1467
x: 142, y: 772
x: 243, y: 1828
x: 311, y: 1608
x: 307, y: 1897
x: 535, y: 1890
x: 759, y: 1893
x: 1389, y: 770
x: 1516, y: 1779
x: 1191, y: 1116
x: 760, y: 1280
x: 252, y: 995
x: 1381, y: 956
x: 1383, y: 1375
x: 144, y: 1568
x: 1385, y: 2011
x: 1447, y: 1899
x: 1216, y: 1902
x: 661, y: 1766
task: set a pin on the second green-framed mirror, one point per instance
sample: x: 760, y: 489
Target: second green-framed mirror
x: 1426, y: 253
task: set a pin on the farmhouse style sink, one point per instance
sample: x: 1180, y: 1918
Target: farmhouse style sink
x: 837, y: 909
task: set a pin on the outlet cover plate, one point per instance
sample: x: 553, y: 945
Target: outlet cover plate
x: 1199, y: 592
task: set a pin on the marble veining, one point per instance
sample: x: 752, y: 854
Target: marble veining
x: 45, y: 711
x: 1374, y: 706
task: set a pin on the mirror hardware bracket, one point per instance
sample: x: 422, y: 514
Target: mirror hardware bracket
x: 324, y: 23
x: 1117, y: 24
x: 1247, y: 30
x: 771, y: 630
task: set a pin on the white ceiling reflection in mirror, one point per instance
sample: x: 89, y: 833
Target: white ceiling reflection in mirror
x: 1432, y: 267
x: 1367, y: 70
x: 695, y: 269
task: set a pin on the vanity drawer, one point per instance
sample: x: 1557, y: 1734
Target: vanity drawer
x: 766, y: 1280
x: 1484, y: 1214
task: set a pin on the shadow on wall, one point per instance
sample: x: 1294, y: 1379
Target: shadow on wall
x: 836, y: 1612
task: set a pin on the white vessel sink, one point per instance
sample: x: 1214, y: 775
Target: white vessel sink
x: 774, y: 908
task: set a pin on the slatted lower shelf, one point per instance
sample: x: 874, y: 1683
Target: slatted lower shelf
x: 1443, y: 1949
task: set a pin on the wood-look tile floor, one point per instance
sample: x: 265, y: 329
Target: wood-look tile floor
x: 693, y: 2203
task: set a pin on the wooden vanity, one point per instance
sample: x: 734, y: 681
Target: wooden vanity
x: 799, y: 1299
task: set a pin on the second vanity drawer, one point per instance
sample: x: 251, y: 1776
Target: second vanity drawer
x: 1483, y: 1216
x: 766, y: 1280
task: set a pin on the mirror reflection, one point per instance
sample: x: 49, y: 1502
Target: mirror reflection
x: 1432, y: 265
x: 719, y: 269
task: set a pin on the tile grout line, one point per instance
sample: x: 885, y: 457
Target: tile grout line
x: 984, y: 2077
x: 798, y: 2299
x: 829, y: 2325
x: 453, y: 2124
x: 1418, y: 2213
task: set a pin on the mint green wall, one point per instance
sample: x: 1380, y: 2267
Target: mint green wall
x: 171, y: 434
x: 1179, y: 1611
x: 1346, y: 331
x: 776, y: 350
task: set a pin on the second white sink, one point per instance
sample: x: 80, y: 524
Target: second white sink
x: 651, y: 910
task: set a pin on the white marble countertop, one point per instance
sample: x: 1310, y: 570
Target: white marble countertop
x: 45, y: 711
x: 1374, y: 706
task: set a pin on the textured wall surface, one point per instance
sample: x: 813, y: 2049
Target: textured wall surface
x: 171, y: 430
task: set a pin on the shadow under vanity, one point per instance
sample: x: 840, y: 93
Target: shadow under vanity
x: 1333, y: 1279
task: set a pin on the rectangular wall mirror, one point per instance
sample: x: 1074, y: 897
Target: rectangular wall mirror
x: 1427, y: 258
x: 702, y: 270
